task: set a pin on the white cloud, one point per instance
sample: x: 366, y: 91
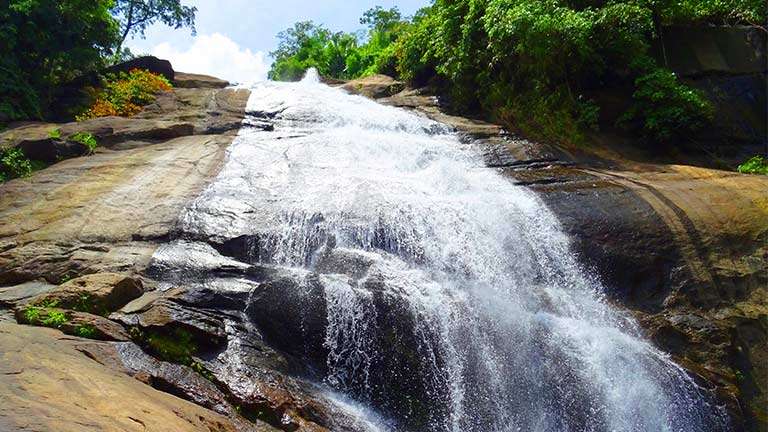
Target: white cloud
x: 216, y: 55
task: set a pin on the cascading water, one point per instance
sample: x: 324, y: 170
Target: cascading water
x: 452, y: 299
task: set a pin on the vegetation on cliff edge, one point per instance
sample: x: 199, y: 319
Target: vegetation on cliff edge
x: 532, y: 65
x: 47, y: 43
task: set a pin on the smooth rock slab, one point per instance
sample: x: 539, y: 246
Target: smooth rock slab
x: 50, y: 386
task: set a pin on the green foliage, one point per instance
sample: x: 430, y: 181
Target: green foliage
x: 55, y: 318
x: 85, y: 331
x: 535, y: 65
x: 177, y: 347
x: 54, y: 133
x: 710, y: 11
x: 338, y: 55
x: 46, y: 316
x: 125, y: 94
x: 44, y: 43
x: 31, y: 314
x: 755, y: 165
x: 666, y: 108
x: 13, y: 164
x: 87, y: 139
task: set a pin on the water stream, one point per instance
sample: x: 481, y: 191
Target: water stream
x: 453, y: 301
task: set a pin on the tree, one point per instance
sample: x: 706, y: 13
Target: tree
x: 44, y: 43
x: 136, y: 15
x: 380, y: 19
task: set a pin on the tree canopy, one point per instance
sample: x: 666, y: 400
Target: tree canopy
x: 533, y: 65
x: 45, y: 43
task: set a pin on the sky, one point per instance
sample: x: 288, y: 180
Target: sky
x: 234, y: 37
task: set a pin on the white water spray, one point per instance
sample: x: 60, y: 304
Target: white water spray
x: 509, y: 333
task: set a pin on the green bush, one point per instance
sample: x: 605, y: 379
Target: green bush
x: 45, y: 43
x: 46, y: 316
x: 85, y: 331
x: 755, y: 165
x: 534, y: 65
x: 666, y: 108
x: 13, y: 164
x: 87, y: 139
x: 125, y: 94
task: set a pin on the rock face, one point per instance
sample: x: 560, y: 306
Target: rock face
x: 48, y: 384
x: 683, y: 248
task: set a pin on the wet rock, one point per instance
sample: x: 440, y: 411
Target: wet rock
x: 188, y: 80
x: 99, y: 293
x: 672, y: 244
x: 290, y: 311
x: 166, y: 315
x: 351, y: 262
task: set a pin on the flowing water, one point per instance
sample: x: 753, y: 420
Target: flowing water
x: 452, y: 299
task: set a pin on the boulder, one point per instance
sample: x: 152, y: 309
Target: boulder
x: 96, y: 293
x: 188, y: 80
x: 374, y: 86
x: 110, y: 131
x: 166, y: 315
x: 74, y: 323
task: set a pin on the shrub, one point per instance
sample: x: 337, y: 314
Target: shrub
x: 86, y: 139
x: 666, y: 108
x: 755, y: 165
x: 46, y: 316
x: 85, y: 331
x: 125, y: 94
x: 13, y: 164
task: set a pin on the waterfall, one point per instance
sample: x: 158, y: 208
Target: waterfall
x: 453, y: 300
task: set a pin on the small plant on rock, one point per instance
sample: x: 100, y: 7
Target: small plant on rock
x: 178, y: 347
x: 87, y: 139
x: 14, y: 163
x: 755, y: 165
x: 54, y: 133
x: 55, y: 318
x: 86, y: 331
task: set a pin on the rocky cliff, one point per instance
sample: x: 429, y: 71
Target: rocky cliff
x: 683, y: 248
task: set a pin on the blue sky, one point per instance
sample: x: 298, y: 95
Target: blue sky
x: 234, y: 37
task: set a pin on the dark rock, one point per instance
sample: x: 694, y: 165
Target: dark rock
x: 166, y: 314
x: 150, y: 63
x: 290, y: 311
x: 52, y: 150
